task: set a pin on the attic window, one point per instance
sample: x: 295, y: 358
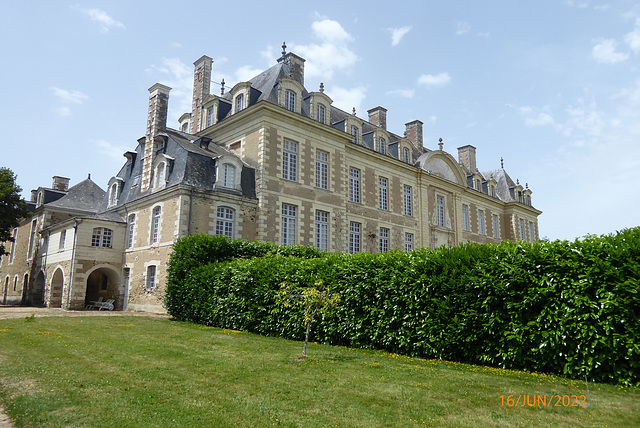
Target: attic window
x: 321, y: 113
x: 239, y: 102
x: 290, y: 100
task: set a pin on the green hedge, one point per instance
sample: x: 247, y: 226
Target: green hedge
x: 570, y: 308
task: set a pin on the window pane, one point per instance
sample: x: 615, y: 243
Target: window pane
x: 322, y: 230
x: 289, y: 218
x: 384, y: 240
x: 354, y: 185
x: 354, y: 237
x: 408, y: 200
x: 383, y: 196
x: 322, y: 169
x: 224, y: 222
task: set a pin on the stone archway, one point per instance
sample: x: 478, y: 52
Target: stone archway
x: 36, y: 296
x: 103, y: 282
x: 57, y: 283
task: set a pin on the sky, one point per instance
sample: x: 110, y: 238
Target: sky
x: 551, y: 87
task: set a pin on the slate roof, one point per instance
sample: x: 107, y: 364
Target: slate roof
x: 85, y: 196
x: 505, y: 185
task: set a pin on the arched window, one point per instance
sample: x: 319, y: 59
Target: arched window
x: 224, y: 222
x: 113, y: 194
x: 406, y: 155
x: 383, y: 145
x: 131, y: 224
x: 155, y: 225
x: 290, y: 100
x: 354, y: 132
x: 229, y: 176
x: 239, y: 102
x: 321, y: 113
x: 101, y: 237
x: 161, y: 180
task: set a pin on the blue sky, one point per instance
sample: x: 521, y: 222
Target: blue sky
x: 553, y: 87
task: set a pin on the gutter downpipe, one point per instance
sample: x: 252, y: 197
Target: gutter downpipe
x: 190, y: 209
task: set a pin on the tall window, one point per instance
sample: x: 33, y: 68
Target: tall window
x: 210, y: 116
x: 408, y: 242
x: 522, y: 232
x: 440, y: 203
x: 229, y: 176
x: 384, y: 239
x: 290, y: 160
x: 408, y: 200
x: 290, y: 100
x: 131, y: 225
x: 481, y: 227
x: 354, y: 237
x: 289, y: 220
x: 383, y: 193
x: 405, y: 155
x: 496, y: 226
x: 354, y: 185
x: 239, y: 102
x: 224, y: 222
x: 322, y: 169
x: 155, y: 224
x: 354, y: 132
x: 13, y: 245
x: 101, y: 237
x: 322, y: 230
x: 113, y: 194
x: 151, y: 277
x: 32, y: 238
x: 63, y: 237
x: 531, y: 231
x: 321, y: 113
x: 383, y: 145
x: 160, y: 174
x: 465, y: 218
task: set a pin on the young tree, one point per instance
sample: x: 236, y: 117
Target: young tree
x: 314, y: 300
x: 12, y: 208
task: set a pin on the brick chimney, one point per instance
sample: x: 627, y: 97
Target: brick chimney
x: 467, y: 157
x: 60, y: 183
x: 201, y: 88
x: 378, y: 117
x: 156, y: 123
x: 296, y: 66
x: 414, y: 133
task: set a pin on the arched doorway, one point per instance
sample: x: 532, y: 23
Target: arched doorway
x: 57, y: 282
x: 103, y: 282
x: 37, y: 293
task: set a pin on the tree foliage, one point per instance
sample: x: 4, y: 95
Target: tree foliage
x: 12, y: 207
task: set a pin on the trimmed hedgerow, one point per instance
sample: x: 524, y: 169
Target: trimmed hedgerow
x: 570, y: 308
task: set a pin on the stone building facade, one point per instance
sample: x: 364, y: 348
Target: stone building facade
x: 270, y: 161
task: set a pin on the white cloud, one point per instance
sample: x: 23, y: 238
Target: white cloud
x: 536, y: 117
x: 404, y: 93
x: 605, y: 52
x: 102, y: 18
x: 178, y: 76
x: 111, y: 150
x: 73, y: 97
x: 330, y: 54
x: 63, y: 111
x: 397, y: 34
x: 462, y: 28
x: 246, y: 72
x: 632, y: 39
x: 434, y: 80
x: 347, y: 99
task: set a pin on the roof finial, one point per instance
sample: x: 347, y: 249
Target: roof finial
x: 222, y: 87
x: 284, y: 49
x: 89, y: 177
x: 526, y: 185
x: 440, y: 143
x: 354, y: 111
x: 321, y: 87
x: 502, y: 163
x: 518, y: 181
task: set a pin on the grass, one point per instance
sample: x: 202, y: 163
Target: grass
x: 142, y: 372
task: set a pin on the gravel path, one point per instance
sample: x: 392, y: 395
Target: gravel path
x: 12, y: 312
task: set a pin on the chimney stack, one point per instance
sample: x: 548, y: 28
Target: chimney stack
x: 156, y: 123
x: 201, y: 88
x: 296, y: 66
x: 467, y: 157
x: 378, y: 117
x: 60, y: 183
x: 414, y: 133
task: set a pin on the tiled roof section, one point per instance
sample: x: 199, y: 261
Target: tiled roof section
x: 85, y: 196
x: 504, y: 184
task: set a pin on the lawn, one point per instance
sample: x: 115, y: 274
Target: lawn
x: 143, y: 372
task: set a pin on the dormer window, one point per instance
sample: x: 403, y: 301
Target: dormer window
x: 185, y: 127
x: 321, y: 113
x: 229, y: 176
x: 161, y: 175
x: 354, y: 132
x: 210, y: 116
x: 39, y: 200
x: 406, y: 156
x: 239, y: 102
x: 114, y: 191
x: 383, y: 145
x: 290, y: 100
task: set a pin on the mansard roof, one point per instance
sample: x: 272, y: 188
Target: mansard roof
x: 504, y: 185
x: 85, y: 196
